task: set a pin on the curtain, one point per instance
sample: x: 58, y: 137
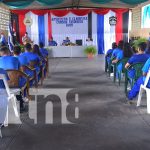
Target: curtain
x: 41, y: 27
x: 28, y: 28
x: 34, y: 29
x: 46, y: 18
x: 22, y: 27
x: 109, y: 31
x: 100, y: 33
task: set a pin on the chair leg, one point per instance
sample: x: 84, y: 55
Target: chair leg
x: 13, y: 100
x: 1, y: 132
x: 148, y: 101
x: 140, y: 96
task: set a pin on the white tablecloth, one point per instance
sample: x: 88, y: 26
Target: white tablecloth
x: 67, y: 51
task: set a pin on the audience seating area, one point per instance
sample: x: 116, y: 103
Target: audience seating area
x: 132, y: 72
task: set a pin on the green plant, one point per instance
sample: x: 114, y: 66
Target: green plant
x: 138, y: 41
x: 90, y: 50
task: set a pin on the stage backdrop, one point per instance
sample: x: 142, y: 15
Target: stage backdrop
x: 73, y: 26
x: 76, y: 24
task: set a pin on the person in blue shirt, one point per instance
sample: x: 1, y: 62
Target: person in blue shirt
x: 110, y: 51
x: 118, y: 49
x: 43, y: 51
x: 135, y: 90
x: 140, y: 57
x: 66, y: 41
x: 3, y: 39
x: 11, y: 62
x: 52, y: 42
x: 118, y: 55
x: 22, y: 59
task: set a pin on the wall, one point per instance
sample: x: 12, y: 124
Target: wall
x: 136, y: 29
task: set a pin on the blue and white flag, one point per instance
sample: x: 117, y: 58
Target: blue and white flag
x: 10, y: 38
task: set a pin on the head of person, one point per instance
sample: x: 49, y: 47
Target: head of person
x: 114, y: 45
x: 41, y: 45
x: 17, y: 50
x: 120, y: 44
x: 4, y: 51
x: 142, y: 47
x: 26, y: 34
x: 36, y: 50
x: 67, y: 38
x: 127, y: 50
x: 28, y: 47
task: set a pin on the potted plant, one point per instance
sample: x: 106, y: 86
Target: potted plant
x: 90, y: 51
x: 138, y: 41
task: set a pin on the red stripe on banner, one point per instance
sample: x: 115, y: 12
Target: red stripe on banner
x: 49, y: 26
x: 119, y: 27
x: 22, y: 27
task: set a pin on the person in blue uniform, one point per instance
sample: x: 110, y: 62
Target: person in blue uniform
x: 11, y: 62
x: 118, y: 55
x: 110, y: 51
x: 3, y: 39
x: 135, y: 90
x: 140, y: 57
x: 23, y: 60
x: 43, y: 51
x: 52, y: 42
x: 66, y: 41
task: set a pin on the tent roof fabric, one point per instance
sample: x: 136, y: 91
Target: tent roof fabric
x: 58, y: 4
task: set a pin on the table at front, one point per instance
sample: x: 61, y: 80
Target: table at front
x: 67, y: 51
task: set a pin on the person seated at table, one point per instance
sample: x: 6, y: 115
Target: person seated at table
x: 43, y: 50
x: 10, y: 62
x: 66, y: 41
x: 140, y: 57
x: 52, y: 42
x: 135, y: 90
x: 89, y: 42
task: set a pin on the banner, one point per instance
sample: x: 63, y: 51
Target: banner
x: 72, y: 26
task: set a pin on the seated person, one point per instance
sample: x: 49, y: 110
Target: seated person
x: 32, y: 57
x: 11, y: 62
x: 110, y: 51
x: 23, y: 60
x: 52, y: 42
x: 43, y: 51
x: 140, y: 57
x: 135, y: 90
x: 66, y: 41
x: 118, y: 55
x: 89, y: 42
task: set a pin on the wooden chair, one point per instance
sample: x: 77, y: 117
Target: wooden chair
x: 31, y: 79
x: 14, y: 76
x: 142, y: 89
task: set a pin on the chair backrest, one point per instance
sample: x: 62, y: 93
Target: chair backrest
x: 4, y: 80
x: 147, y: 78
x: 138, y: 69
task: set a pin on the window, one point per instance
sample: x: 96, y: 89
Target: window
x: 4, y: 19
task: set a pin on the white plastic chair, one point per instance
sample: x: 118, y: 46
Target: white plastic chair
x: 142, y: 89
x: 9, y: 95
